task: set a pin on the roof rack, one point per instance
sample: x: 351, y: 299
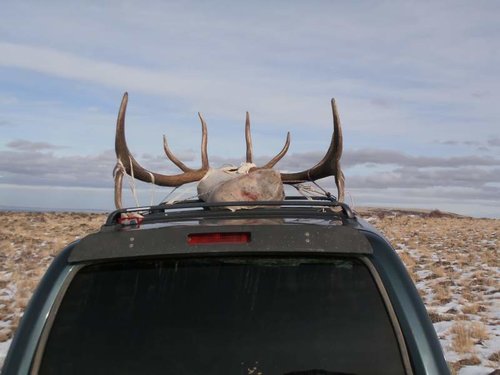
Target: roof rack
x: 294, y: 206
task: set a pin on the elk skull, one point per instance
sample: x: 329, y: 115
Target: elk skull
x: 248, y: 178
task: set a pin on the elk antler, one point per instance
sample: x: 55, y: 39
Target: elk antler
x: 248, y: 138
x: 329, y: 165
x: 127, y: 164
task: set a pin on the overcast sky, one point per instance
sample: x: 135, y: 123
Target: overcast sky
x: 416, y: 84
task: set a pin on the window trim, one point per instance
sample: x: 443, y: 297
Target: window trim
x: 51, y: 316
x: 403, y: 350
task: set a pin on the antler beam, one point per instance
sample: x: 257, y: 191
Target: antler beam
x: 329, y: 165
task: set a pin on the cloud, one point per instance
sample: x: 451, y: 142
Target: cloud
x: 32, y: 164
x: 33, y: 167
x: 494, y: 142
x: 416, y: 177
x: 6, y: 100
x: 387, y: 157
x: 357, y: 157
x: 24, y: 145
x: 29, y: 160
x: 66, y: 65
x: 410, y: 179
x: 403, y: 74
x: 479, y: 145
x: 217, y: 91
x: 448, y: 143
x: 277, y: 91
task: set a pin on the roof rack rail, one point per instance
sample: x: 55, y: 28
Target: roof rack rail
x: 192, y: 208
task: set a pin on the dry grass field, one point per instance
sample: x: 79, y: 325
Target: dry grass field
x: 454, y: 261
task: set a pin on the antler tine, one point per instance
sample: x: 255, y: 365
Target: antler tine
x: 204, y: 143
x: 329, y: 165
x: 280, y: 155
x: 337, y: 138
x: 130, y: 165
x: 173, y: 158
x: 248, y: 139
x: 118, y: 173
x: 340, y: 182
x: 204, y: 153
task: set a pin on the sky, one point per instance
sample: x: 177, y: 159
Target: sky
x: 416, y: 85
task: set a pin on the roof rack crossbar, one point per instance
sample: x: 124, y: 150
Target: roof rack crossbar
x: 242, y: 215
x: 193, y: 205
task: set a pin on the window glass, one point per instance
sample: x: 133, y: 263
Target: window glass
x: 223, y: 316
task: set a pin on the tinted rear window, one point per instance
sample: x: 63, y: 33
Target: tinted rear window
x: 223, y: 316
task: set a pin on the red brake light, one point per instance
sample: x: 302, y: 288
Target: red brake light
x: 220, y: 237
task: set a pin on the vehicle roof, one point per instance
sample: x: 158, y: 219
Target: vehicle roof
x: 298, y: 225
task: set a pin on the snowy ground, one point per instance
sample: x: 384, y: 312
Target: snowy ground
x: 454, y: 262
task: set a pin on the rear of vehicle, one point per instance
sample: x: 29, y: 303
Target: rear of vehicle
x: 295, y: 290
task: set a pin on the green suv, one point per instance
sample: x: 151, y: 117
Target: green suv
x: 300, y: 286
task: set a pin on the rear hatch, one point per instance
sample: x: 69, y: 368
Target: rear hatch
x: 224, y: 314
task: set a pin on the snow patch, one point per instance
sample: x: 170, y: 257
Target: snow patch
x: 4, y: 348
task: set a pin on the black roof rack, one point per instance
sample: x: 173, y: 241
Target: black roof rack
x: 294, y: 206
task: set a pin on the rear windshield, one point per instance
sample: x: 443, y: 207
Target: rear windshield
x: 223, y: 316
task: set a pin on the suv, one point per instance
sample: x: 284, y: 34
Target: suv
x: 300, y: 286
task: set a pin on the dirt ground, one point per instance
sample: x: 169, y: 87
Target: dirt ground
x: 453, y: 260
